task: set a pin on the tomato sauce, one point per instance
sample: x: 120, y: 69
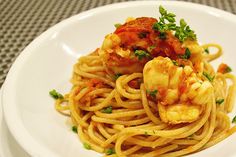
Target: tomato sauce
x: 223, y: 68
x: 135, y: 83
x: 139, y: 34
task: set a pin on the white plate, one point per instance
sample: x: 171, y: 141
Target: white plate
x: 8, y: 145
x: 47, y: 63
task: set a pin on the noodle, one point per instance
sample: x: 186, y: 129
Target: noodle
x: 113, y: 114
x: 154, y: 139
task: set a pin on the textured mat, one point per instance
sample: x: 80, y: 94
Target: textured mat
x: 23, y: 20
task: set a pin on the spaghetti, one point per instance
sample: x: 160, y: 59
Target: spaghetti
x: 143, y: 96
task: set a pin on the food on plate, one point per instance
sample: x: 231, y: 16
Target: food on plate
x: 150, y: 90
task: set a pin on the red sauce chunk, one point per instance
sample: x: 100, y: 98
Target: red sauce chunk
x: 135, y: 83
x: 224, y: 68
x: 139, y: 34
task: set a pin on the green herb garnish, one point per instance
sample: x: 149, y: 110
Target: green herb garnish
x: 187, y: 54
x: 184, y: 32
x: 107, y: 110
x: 55, y: 94
x: 228, y: 69
x: 167, y: 23
x: 142, y: 35
x: 117, y: 25
x: 175, y: 62
x: 162, y: 35
x: 146, y: 133
x: 234, y: 119
x: 74, y: 129
x: 116, y: 76
x: 182, y: 65
x: 141, y: 54
x: 208, y: 76
x: 110, y: 151
x: 87, y: 146
x: 150, y: 48
x: 152, y: 93
x: 206, y: 50
x: 220, y: 101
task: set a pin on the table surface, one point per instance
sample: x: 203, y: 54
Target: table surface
x: 23, y: 20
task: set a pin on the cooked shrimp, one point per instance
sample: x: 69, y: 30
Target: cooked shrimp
x: 117, y: 58
x: 179, y: 113
x: 181, y: 95
x: 118, y: 49
x: 134, y: 43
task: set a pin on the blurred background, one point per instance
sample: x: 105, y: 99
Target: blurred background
x: 23, y: 20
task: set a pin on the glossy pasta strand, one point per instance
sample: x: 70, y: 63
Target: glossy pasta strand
x: 116, y: 116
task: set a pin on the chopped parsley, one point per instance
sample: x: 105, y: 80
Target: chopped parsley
x: 187, y: 54
x: 224, y: 68
x: 107, y: 110
x: 182, y: 65
x: 162, y: 35
x: 116, y: 76
x: 74, y: 129
x: 117, y: 25
x: 167, y: 23
x: 87, y: 146
x: 184, y: 32
x: 55, y: 94
x: 234, y: 119
x: 110, y: 151
x: 206, y: 50
x: 175, y: 62
x: 146, y: 133
x: 142, y: 35
x: 228, y: 69
x: 150, y: 48
x: 152, y: 93
x: 208, y: 76
x: 220, y: 101
x: 153, y: 131
x: 141, y: 54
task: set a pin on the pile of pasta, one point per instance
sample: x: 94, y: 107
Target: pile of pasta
x: 146, y: 93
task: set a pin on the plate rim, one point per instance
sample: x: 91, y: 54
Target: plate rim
x: 18, y: 130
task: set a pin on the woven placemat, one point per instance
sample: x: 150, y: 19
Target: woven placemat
x: 22, y: 20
